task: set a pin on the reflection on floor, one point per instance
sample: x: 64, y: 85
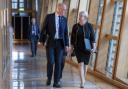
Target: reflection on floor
x: 30, y: 73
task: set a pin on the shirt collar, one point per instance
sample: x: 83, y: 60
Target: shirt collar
x: 33, y: 24
x: 56, y: 15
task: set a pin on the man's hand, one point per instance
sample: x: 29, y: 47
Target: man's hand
x: 39, y: 43
x: 67, y: 49
x: 43, y: 44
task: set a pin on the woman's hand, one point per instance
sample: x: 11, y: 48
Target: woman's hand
x: 71, y: 48
x: 94, y: 50
x: 69, y: 53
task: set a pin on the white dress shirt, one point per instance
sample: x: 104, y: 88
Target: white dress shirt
x: 34, y: 30
x: 57, y: 26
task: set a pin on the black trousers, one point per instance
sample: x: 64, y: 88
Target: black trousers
x: 34, y: 41
x: 54, y: 56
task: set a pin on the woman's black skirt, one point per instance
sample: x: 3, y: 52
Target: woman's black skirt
x: 82, y: 56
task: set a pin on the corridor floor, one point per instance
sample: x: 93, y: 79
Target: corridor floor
x: 30, y: 73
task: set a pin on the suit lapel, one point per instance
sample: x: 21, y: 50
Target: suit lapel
x: 54, y: 22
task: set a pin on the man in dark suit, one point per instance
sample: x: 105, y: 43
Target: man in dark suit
x: 34, y: 34
x: 55, y: 34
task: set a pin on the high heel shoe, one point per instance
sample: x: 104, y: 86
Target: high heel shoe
x: 82, y: 85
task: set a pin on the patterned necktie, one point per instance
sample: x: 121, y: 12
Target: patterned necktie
x: 60, y: 27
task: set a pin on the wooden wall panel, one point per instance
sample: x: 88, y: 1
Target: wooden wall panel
x: 0, y: 58
x: 73, y: 13
x: 93, y: 12
x: 122, y: 64
x: 84, y: 5
x: 103, y: 43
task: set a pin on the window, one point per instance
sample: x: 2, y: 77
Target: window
x: 21, y: 5
x: 18, y: 4
x: 97, y: 30
x: 122, y: 67
x: 14, y: 4
x: 14, y: 0
x: 108, y: 47
x: 21, y: 1
x: 118, y: 8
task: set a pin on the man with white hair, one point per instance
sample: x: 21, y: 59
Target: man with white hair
x: 55, y: 31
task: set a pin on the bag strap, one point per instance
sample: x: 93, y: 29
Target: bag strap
x: 77, y: 32
x: 84, y: 31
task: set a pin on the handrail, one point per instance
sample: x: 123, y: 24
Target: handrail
x: 111, y: 37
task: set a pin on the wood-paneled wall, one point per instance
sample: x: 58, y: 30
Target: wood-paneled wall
x: 122, y: 67
x: 103, y: 43
x: 93, y: 12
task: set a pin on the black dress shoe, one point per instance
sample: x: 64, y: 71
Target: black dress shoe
x: 57, y: 85
x: 48, y: 83
x: 32, y: 55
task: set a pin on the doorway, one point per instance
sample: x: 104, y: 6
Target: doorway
x: 20, y: 25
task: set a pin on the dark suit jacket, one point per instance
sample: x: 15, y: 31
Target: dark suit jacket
x: 30, y: 32
x: 49, y: 30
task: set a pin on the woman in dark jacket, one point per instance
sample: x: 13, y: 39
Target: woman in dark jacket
x: 80, y: 31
